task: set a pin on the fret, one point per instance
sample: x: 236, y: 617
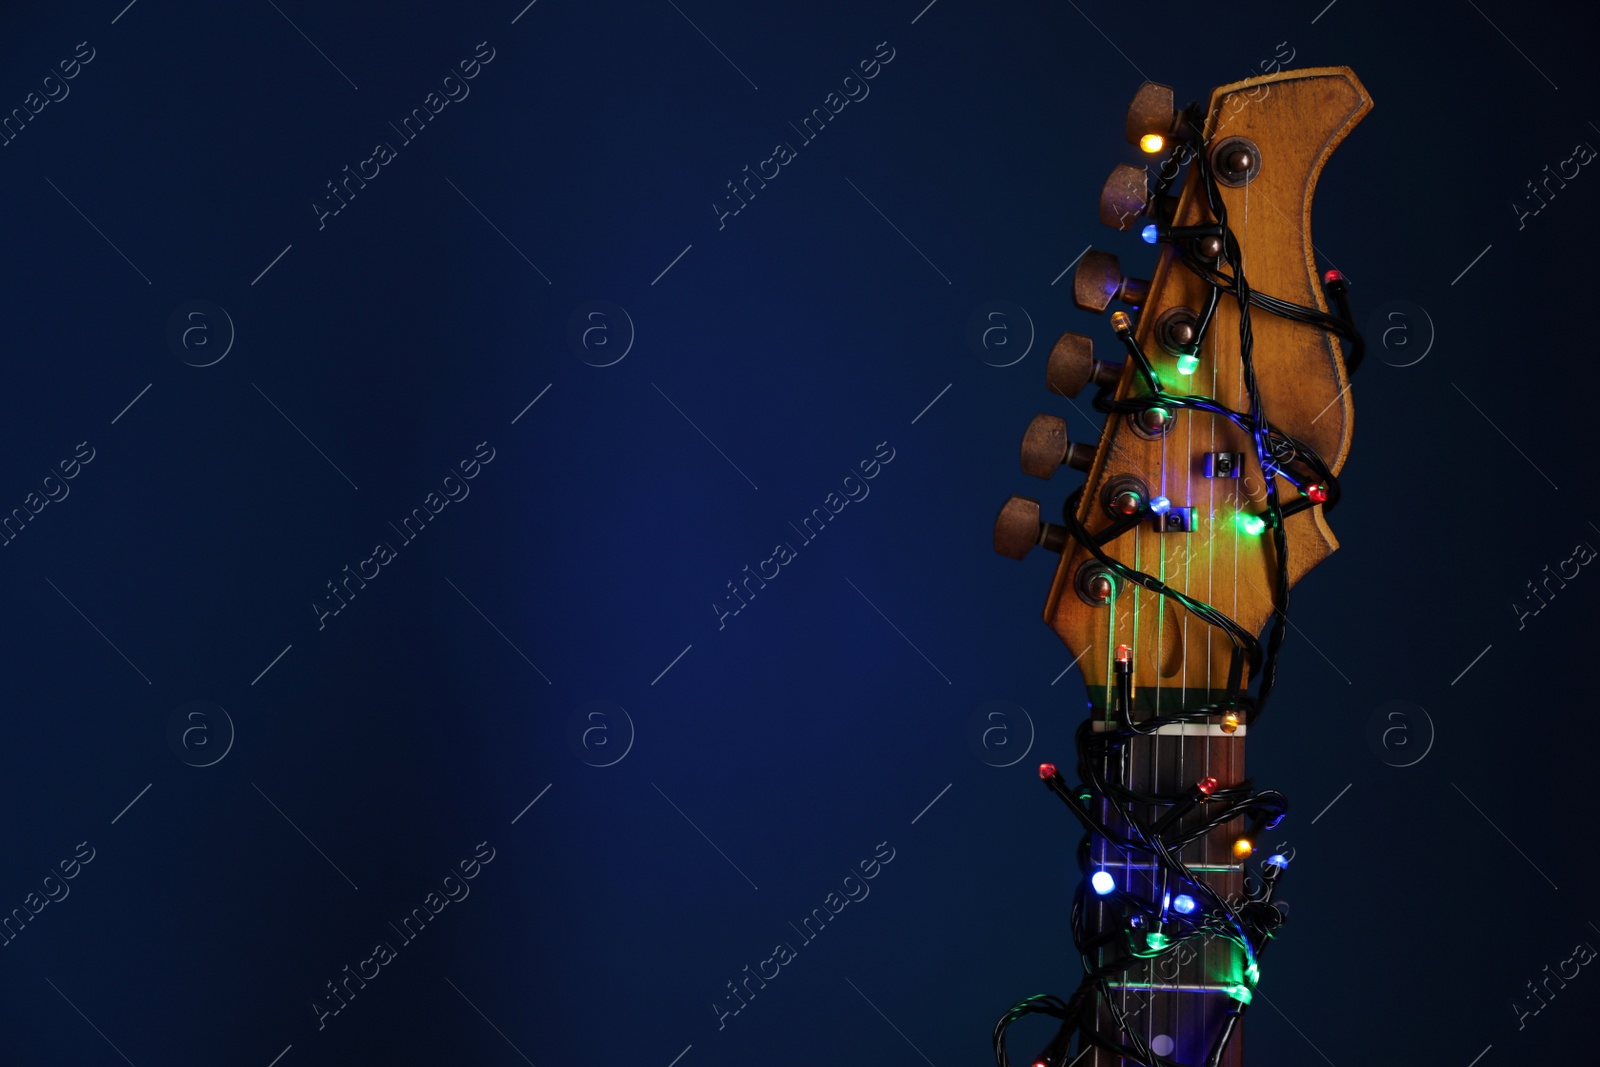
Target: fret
x: 1200, y: 868
x: 1172, y: 987
x: 1181, y: 729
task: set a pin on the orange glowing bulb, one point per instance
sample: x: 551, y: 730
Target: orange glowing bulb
x: 1152, y: 143
x: 1243, y: 847
x: 1230, y: 723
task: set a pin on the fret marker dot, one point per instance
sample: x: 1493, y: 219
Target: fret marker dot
x: 1163, y: 1045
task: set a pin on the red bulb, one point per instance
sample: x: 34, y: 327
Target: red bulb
x: 1332, y: 276
x: 1047, y: 771
x: 1207, y: 785
x: 1317, y: 493
x: 1124, y: 653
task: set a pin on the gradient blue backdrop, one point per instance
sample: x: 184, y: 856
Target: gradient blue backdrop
x: 776, y: 353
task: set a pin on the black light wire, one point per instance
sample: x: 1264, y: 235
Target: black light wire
x: 1253, y: 922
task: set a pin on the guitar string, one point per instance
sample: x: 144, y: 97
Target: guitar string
x: 1121, y: 757
x: 1173, y: 1002
x: 1158, y: 875
x: 1211, y: 581
x: 1127, y: 753
x: 1235, y: 773
x: 1156, y: 749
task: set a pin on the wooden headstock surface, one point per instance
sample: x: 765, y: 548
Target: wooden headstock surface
x: 1294, y: 120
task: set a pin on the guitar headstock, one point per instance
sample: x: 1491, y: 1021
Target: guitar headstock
x: 1178, y: 492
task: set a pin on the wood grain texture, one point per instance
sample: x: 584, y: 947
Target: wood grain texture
x: 1296, y: 118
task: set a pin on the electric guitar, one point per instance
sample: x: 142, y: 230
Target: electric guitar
x: 1227, y: 418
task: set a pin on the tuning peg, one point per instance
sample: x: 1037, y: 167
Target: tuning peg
x: 1072, y: 366
x: 1152, y: 117
x: 1018, y: 529
x: 1125, y: 198
x: 1098, y: 281
x: 1045, y: 447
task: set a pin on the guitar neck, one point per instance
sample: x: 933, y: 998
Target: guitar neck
x: 1203, y: 502
x: 1177, y: 1003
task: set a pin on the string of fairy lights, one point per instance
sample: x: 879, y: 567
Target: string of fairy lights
x: 1191, y: 910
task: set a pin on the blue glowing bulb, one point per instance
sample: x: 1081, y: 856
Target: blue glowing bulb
x: 1278, y: 859
x: 1183, y: 904
x: 1160, y: 506
x: 1150, y: 234
x: 1102, y: 882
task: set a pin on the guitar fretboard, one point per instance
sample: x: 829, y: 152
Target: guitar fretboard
x: 1177, y: 1002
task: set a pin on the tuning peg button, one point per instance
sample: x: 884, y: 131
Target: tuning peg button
x: 1045, y: 447
x: 1152, y: 112
x: 1124, y: 197
x: 1098, y: 281
x: 1072, y: 366
x: 1018, y: 529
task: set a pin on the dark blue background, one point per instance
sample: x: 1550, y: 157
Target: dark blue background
x: 797, y: 337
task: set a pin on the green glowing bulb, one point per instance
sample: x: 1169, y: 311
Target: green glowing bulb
x: 1251, y: 524
x: 1157, y: 940
x: 1241, y: 993
x: 1253, y: 972
x: 1187, y: 363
